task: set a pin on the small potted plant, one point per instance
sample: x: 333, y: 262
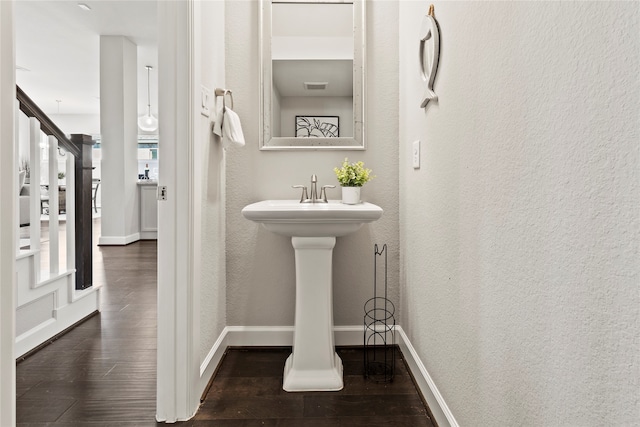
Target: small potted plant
x: 352, y: 176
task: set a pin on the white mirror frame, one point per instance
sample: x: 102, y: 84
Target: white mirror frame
x: 357, y: 141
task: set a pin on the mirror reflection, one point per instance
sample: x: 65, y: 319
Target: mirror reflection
x: 312, y: 75
x: 312, y: 63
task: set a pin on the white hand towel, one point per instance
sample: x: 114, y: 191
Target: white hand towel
x: 231, y: 129
x: 217, y: 124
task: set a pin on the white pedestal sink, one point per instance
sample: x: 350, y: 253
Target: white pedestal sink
x: 313, y: 228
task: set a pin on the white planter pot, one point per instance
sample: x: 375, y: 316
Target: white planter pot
x: 351, y: 195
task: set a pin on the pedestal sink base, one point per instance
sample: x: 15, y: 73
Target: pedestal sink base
x: 313, y: 379
x: 313, y: 364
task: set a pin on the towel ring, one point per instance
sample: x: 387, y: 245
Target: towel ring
x: 223, y: 93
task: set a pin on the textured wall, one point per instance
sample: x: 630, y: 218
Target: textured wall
x: 260, y: 265
x: 520, y: 232
x: 212, y: 184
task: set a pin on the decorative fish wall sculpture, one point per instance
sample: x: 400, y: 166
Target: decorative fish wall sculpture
x: 429, y: 55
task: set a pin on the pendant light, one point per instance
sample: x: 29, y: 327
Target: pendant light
x: 148, y: 122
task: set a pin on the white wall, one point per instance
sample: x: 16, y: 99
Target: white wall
x: 87, y: 124
x: 292, y: 106
x: 212, y: 292
x: 520, y: 231
x: 260, y: 265
x: 119, y: 141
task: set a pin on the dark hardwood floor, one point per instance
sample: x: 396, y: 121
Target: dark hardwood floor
x: 247, y: 391
x: 103, y: 372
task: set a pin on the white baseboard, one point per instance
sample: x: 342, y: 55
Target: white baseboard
x: 148, y: 235
x: 212, y: 360
x: 273, y: 336
x: 256, y: 336
x: 430, y: 392
x: 118, y: 240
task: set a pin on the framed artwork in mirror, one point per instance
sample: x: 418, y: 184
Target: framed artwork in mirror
x: 317, y: 126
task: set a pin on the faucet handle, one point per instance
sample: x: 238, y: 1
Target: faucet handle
x: 304, y: 192
x: 323, y: 192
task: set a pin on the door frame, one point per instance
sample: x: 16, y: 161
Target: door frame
x: 178, y: 368
x: 8, y: 214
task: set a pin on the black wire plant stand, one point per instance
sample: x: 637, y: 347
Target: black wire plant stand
x: 379, y: 328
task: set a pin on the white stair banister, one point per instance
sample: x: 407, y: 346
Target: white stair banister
x: 35, y: 202
x: 54, y: 207
x: 70, y: 209
x: 16, y: 136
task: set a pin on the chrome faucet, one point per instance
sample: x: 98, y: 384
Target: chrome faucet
x: 322, y: 198
x: 314, y: 189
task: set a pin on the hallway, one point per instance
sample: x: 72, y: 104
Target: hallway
x: 104, y: 371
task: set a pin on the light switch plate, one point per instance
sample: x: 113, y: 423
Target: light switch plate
x: 416, y: 154
x: 205, y: 96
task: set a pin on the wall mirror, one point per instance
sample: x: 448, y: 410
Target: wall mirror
x: 312, y: 80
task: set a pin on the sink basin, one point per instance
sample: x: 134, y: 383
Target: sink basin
x: 292, y: 218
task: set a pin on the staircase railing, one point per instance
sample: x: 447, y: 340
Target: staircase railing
x: 80, y: 244
x: 30, y: 109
